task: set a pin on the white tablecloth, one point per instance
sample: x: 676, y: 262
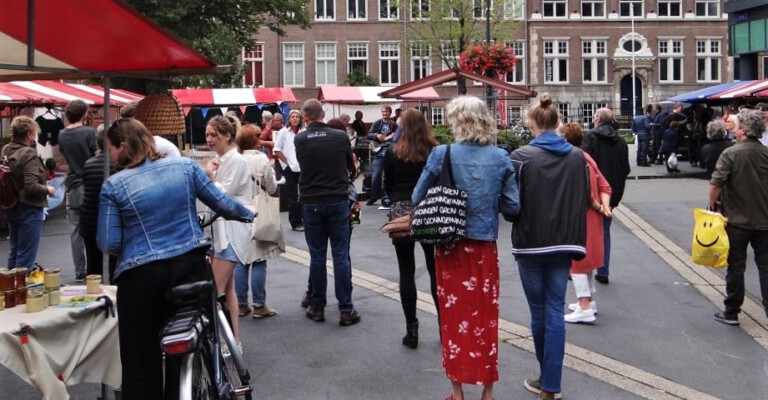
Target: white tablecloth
x: 66, y: 346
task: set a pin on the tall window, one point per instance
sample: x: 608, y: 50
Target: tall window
x: 325, y: 10
x: 556, y: 61
x: 293, y: 64
x: 421, y: 64
x: 518, y: 75
x: 555, y: 8
x: 595, y: 61
x: 356, y: 9
x: 708, y: 58
x: 419, y: 9
x: 707, y: 8
x: 357, y: 57
x: 388, y: 9
x: 669, y: 8
x: 671, y: 60
x: 438, y: 116
x: 325, y: 63
x: 588, y: 112
x: 626, y: 8
x: 254, y: 66
x: 449, y: 52
x: 389, y: 58
x: 478, y: 8
x: 593, y: 8
x: 564, y: 110
x: 514, y: 115
x: 514, y: 9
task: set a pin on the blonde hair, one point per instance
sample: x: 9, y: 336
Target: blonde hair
x: 470, y: 120
x: 21, y: 126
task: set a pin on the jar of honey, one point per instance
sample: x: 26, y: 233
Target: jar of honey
x: 52, y: 278
x: 21, y: 277
x: 21, y: 296
x: 10, y: 298
x: 2, y: 301
x: 54, y: 297
x: 7, y: 280
x: 35, y: 302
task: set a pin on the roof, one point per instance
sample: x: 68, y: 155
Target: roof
x: 748, y: 88
x: 370, y: 94
x: 95, y: 38
x: 233, y: 97
x: 448, y: 75
x: 41, y: 92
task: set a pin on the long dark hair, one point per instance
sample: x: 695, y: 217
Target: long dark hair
x: 416, y: 140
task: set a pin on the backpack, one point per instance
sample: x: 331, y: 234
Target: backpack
x: 9, y: 196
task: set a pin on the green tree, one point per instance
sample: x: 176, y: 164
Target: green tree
x: 447, y: 27
x: 219, y: 29
x: 358, y: 77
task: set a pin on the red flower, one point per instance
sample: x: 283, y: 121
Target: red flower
x: 482, y: 58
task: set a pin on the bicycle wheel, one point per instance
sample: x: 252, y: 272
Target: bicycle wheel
x: 203, y: 387
x: 233, y: 362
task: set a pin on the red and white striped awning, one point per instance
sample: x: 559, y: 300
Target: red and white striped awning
x: 370, y: 94
x: 749, y: 88
x: 59, y: 93
x: 233, y: 97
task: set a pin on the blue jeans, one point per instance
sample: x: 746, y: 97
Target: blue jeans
x: 377, y: 171
x: 321, y: 223
x: 604, y: 270
x: 258, y: 283
x: 545, y: 279
x: 25, y: 224
x: 643, y: 139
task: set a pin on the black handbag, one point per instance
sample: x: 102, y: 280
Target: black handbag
x: 442, y: 216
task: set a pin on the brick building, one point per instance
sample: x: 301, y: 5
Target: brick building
x: 580, y: 51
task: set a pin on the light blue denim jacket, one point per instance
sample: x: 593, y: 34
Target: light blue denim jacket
x: 486, y: 173
x: 148, y: 213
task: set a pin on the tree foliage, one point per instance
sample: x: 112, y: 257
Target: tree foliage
x: 358, y: 77
x: 447, y: 27
x: 219, y: 29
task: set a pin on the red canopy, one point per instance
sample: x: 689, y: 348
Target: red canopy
x: 89, y: 38
x: 370, y: 94
x: 512, y: 91
x: 233, y: 97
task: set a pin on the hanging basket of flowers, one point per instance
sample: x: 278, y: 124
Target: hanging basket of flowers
x: 481, y: 58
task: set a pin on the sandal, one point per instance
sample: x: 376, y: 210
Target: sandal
x: 243, y: 310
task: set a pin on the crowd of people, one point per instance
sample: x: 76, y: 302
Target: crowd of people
x: 558, y: 192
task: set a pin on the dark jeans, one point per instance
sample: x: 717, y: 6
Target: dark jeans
x: 737, y: 265
x: 94, y: 260
x: 605, y: 269
x: 25, y: 224
x: 143, y: 311
x: 377, y: 172
x: 656, y: 146
x: 324, y: 222
x: 292, y: 191
x: 406, y: 262
x: 642, y: 148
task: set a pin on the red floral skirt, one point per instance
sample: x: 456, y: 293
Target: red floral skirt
x: 468, y: 293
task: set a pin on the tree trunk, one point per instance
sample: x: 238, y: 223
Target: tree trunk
x: 461, y: 85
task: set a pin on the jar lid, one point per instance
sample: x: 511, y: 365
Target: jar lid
x: 52, y: 270
x: 34, y: 294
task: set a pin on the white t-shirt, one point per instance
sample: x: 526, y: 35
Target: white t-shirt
x: 166, y: 147
x: 284, y: 144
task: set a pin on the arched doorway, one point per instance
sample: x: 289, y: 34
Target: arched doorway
x: 625, y: 92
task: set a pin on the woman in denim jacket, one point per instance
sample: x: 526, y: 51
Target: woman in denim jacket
x: 468, y: 271
x: 147, y: 217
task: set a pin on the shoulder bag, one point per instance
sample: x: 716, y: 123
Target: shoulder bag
x: 266, y: 224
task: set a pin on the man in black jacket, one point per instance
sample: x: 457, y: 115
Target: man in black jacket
x: 325, y: 160
x: 612, y: 157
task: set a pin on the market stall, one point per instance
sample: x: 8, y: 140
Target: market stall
x: 339, y: 100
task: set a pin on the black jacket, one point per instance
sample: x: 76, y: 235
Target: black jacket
x: 325, y: 159
x: 93, y: 177
x: 612, y: 157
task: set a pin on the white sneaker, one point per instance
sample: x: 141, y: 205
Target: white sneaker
x: 592, y: 305
x: 580, y: 316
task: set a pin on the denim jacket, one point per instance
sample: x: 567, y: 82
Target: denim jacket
x: 148, y: 213
x: 486, y: 173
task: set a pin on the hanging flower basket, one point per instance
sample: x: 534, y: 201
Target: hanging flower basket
x: 481, y: 58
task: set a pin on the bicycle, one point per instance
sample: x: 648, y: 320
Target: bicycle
x: 198, y: 342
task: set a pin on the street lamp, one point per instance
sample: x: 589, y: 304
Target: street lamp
x: 634, y: 50
x: 490, y: 73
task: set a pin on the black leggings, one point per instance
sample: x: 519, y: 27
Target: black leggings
x: 406, y: 261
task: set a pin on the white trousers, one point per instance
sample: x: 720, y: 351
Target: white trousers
x: 583, y: 284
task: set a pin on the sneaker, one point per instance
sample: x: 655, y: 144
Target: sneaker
x: 592, y: 305
x: 243, y: 310
x: 315, y: 314
x: 348, y: 318
x: 580, y: 316
x: 263, y: 312
x: 534, y: 386
x: 729, y: 319
x: 298, y: 228
x: 79, y: 278
x: 305, y: 300
x: 602, y: 279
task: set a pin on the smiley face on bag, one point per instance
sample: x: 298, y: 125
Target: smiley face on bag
x: 707, y: 236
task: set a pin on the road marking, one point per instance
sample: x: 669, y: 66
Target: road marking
x: 598, y: 366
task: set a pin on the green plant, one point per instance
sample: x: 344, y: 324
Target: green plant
x: 628, y: 138
x: 358, y: 77
x: 443, y: 134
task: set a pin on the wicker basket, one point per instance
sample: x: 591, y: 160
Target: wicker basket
x: 161, y: 114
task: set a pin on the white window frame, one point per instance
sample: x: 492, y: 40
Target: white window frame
x: 554, y: 8
x: 256, y: 58
x: 596, y: 8
x: 357, y: 10
x: 514, y: 9
x: 588, y: 112
x: 670, y: 55
x: 564, y: 110
x: 421, y: 60
x: 556, y: 52
x: 703, y: 7
x: 478, y: 8
x: 449, y: 52
x: 518, y: 47
x: 668, y: 6
x: 390, y: 6
x: 353, y: 54
x: 386, y: 51
x: 296, y: 79
x: 624, y: 8
x: 420, y: 9
x: 595, y: 53
x: 325, y: 10
x: 438, y: 116
x: 325, y: 63
x: 709, y: 52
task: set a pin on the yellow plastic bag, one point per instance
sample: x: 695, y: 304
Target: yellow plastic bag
x: 710, y: 241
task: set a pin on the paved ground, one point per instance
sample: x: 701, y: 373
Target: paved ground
x: 655, y: 336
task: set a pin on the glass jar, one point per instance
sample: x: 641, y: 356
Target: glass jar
x: 35, y: 302
x: 10, y: 298
x: 21, y: 277
x: 92, y: 284
x: 7, y: 280
x: 2, y: 301
x: 21, y: 296
x: 54, y: 297
x: 52, y: 278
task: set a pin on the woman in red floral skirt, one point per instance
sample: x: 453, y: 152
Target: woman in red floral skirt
x: 468, y: 270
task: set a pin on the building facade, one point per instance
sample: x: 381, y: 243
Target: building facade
x: 585, y: 53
